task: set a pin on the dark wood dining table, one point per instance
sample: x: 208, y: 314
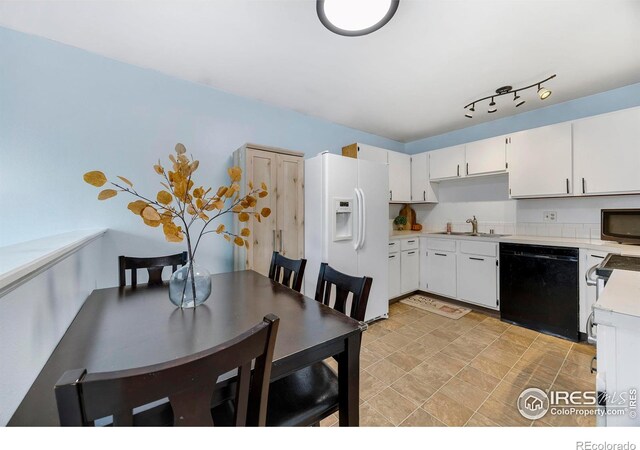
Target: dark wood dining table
x: 125, y: 327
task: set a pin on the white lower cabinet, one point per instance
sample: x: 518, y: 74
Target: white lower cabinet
x: 394, y: 275
x: 466, y: 270
x: 409, y: 270
x: 441, y: 276
x: 477, y: 280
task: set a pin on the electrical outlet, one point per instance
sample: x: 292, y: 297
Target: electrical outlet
x: 549, y: 216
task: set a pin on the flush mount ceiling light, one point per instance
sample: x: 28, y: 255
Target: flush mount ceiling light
x: 543, y: 93
x: 355, y: 17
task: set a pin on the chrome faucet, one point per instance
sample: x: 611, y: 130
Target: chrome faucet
x: 474, y: 225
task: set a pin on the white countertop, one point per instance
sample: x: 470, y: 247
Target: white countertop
x: 621, y: 294
x: 590, y: 244
x: 19, y: 260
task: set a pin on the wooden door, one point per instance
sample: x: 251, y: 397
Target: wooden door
x: 261, y: 167
x: 290, y: 206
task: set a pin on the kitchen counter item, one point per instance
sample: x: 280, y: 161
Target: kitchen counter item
x: 410, y: 214
x: 617, y: 262
x: 539, y: 288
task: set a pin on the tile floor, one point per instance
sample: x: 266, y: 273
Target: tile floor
x: 422, y: 369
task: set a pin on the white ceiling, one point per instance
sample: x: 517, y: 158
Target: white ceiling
x: 407, y: 81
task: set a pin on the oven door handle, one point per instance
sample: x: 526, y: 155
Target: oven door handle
x: 591, y: 336
x: 589, y: 276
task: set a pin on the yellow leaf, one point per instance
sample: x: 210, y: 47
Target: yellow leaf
x: 95, y: 178
x: 226, y: 236
x: 246, y: 243
x: 158, y: 168
x: 251, y: 201
x: 198, y: 192
x: 203, y: 216
x: 245, y: 232
x: 219, y: 204
x: 237, y: 208
x: 258, y: 217
x: 194, y: 166
x: 243, y: 217
x: 172, y: 158
x: 235, y: 173
x: 166, y: 217
x: 150, y: 214
x: 262, y: 194
x: 221, y: 191
x: 126, y: 181
x: 265, y: 212
x: 199, y: 203
x: 263, y: 186
x: 250, y: 185
x: 191, y: 210
x: 172, y: 233
x: 220, y: 228
x: 238, y: 241
x: 137, y: 206
x: 164, y: 197
x: 180, y: 148
x: 151, y: 223
x: 107, y: 193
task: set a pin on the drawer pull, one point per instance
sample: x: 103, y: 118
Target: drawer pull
x: 440, y: 254
x: 392, y: 256
x: 411, y: 253
x: 476, y: 259
x: 410, y: 242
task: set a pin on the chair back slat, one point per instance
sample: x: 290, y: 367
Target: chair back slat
x: 189, y: 383
x: 154, y: 267
x: 358, y: 287
x: 289, y: 272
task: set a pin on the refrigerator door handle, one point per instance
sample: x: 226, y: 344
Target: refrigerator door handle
x: 363, y: 218
x: 356, y: 244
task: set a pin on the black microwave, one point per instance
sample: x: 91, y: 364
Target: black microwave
x: 620, y: 225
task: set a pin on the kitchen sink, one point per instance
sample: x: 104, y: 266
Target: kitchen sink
x: 468, y: 233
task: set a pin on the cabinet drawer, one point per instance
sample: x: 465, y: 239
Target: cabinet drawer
x: 394, y: 246
x: 447, y: 245
x: 409, y: 244
x: 479, y: 248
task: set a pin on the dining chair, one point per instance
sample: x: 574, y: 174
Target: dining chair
x: 291, y: 271
x: 311, y: 394
x: 154, y: 266
x: 189, y: 384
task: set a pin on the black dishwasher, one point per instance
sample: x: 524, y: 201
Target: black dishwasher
x: 539, y: 288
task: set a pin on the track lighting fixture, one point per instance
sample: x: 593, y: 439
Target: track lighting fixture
x: 543, y: 93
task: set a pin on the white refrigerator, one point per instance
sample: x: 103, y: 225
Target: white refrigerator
x: 347, y: 223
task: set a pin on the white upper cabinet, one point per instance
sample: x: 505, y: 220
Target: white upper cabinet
x: 486, y: 156
x: 540, y: 162
x: 447, y: 163
x: 371, y: 153
x: 399, y: 177
x: 421, y: 190
x: 606, y: 151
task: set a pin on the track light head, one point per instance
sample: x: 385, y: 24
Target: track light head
x: 517, y: 99
x: 470, y: 111
x: 492, y: 107
x: 543, y: 92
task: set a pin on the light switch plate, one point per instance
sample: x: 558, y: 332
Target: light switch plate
x: 549, y: 216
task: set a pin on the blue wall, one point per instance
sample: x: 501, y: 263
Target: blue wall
x: 624, y: 97
x: 64, y: 111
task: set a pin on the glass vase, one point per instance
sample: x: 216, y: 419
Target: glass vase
x: 189, y: 286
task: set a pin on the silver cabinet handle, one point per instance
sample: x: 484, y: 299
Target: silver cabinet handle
x: 281, y: 233
x: 593, y: 368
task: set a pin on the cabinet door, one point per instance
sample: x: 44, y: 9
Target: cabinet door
x: 409, y: 270
x: 446, y: 163
x: 290, y: 206
x: 371, y: 153
x: 606, y: 153
x: 394, y: 275
x: 261, y: 167
x: 540, y: 162
x: 478, y: 280
x: 441, y: 274
x: 486, y: 156
x: 399, y: 177
x: 421, y: 189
